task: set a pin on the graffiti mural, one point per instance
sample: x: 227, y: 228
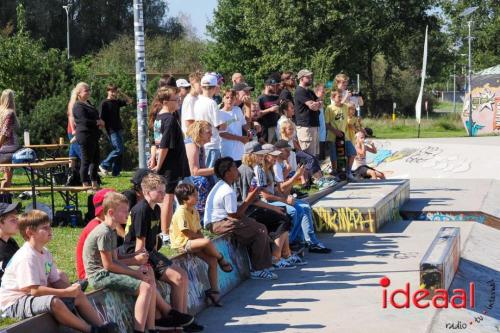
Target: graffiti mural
x: 450, y: 216
x: 485, y: 105
x: 343, y: 220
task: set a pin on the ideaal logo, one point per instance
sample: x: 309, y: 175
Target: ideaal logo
x: 420, y: 298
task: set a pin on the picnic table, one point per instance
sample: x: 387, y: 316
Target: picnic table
x: 48, y: 151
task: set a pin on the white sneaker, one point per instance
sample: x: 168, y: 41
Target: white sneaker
x: 296, y: 260
x: 165, y: 239
x: 283, y: 264
x: 103, y: 171
x: 264, y: 274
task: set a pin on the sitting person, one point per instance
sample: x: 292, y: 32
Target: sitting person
x: 106, y: 271
x: 222, y: 216
x: 186, y: 236
x: 134, y: 194
x: 32, y: 285
x: 8, y: 229
x: 198, y: 134
x: 142, y: 234
x: 359, y: 166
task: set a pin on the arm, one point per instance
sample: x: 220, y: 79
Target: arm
x: 140, y: 244
x: 313, y: 106
x: 38, y: 290
x: 134, y: 259
x: 161, y: 158
x: 243, y: 139
x: 192, y: 152
x: 240, y: 212
x: 287, y: 185
x: 272, y: 109
x: 360, y: 148
x: 263, y: 204
x: 128, y: 99
x: 371, y: 148
x: 191, y: 234
x: 111, y: 265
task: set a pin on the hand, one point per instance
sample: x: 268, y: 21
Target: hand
x: 249, y: 135
x: 339, y: 134
x: 73, y: 139
x: 300, y: 170
x: 142, y: 273
x: 290, y: 200
x: 152, y: 162
x: 244, y: 139
x: 275, y: 108
x: 74, y: 290
x: 142, y: 258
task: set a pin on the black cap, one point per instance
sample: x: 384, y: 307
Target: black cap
x: 138, y: 175
x: 242, y: 86
x: 6, y: 208
x: 282, y: 144
x: 369, y: 132
x: 271, y: 81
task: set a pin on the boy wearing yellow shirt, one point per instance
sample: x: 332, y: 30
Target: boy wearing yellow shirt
x: 186, y: 236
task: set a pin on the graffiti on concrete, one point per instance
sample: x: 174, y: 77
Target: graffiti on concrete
x: 424, y: 154
x: 447, y: 217
x: 343, y: 219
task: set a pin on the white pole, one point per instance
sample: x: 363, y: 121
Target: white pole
x: 358, y: 108
x: 454, y: 88
x: 469, y: 23
x: 66, y: 8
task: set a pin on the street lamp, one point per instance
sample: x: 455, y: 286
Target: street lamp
x: 66, y: 8
x: 467, y: 12
x: 454, y: 87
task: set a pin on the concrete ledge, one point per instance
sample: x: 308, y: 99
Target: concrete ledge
x: 118, y: 307
x: 361, y: 207
x: 440, y: 262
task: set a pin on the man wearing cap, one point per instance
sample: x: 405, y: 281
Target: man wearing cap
x: 307, y: 109
x: 110, y: 114
x: 288, y: 84
x: 268, y: 103
x: 184, y: 88
x: 8, y: 228
x: 187, y: 115
x: 205, y: 108
x: 237, y: 78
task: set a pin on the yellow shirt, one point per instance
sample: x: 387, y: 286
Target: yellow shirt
x: 183, y: 219
x: 336, y: 116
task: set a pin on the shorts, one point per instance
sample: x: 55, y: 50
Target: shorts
x: 113, y: 281
x: 362, y: 171
x: 308, y: 139
x: 29, y: 306
x: 349, y: 148
x: 74, y: 148
x: 159, y: 263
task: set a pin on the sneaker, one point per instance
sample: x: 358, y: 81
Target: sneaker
x: 165, y: 238
x: 110, y: 327
x: 325, y: 183
x: 319, y: 248
x: 193, y: 327
x: 296, y: 260
x: 174, y: 319
x: 264, y: 274
x: 103, y: 171
x: 283, y: 264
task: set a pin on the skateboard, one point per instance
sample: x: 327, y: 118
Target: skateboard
x: 341, y: 158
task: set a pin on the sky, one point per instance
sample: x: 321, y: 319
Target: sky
x: 200, y: 12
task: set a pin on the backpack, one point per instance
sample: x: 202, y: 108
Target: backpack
x: 24, y: 155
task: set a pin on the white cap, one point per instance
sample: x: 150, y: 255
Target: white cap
x: 182, y: 83
x: 209, y: 80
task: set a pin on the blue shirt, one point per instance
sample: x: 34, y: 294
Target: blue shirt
x: 322, y: 126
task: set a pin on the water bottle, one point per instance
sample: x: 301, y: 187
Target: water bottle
x: 26, y: 138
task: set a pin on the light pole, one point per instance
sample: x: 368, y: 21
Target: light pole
x: 66, y: 8
x: 467, y: 12
x: 454, y: 87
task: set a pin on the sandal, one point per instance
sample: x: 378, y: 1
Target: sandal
x: 224, y: 265
x: 210, y: 295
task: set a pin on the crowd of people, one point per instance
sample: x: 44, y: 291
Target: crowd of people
x: 219, y: 162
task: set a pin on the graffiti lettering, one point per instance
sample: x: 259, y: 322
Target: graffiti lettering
x: 447, y: 217
x: 424, y: 154
x: 343, y: 220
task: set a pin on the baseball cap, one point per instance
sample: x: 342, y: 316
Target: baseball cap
x: 99, y: 198
x: 209, y: 80
x: 6, y: 208
x: 303, y: 72
x: 271, y: 82
x: 282, y: 144
x: 182, y: 83
x: 254, y: 147
x: 138, y: 175
x: 270, y: 149
x: 242, y: 86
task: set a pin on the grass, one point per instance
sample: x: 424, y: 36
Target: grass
x: 437, y: 126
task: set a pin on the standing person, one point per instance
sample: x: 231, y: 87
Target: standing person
x: 75, y: 153
x: 307, y: 108
x: 232, y: 139
x: 33, y: 285
x: 223, y: 216
x: 187, y: 115
x: 8, y: 138
x: 87, y: 133
x: 341, y: 83
x: 237, y: 78
x: 110, y: 114
x: 268, y: 103
x: 184, y: 89
x: 319, y: 91
x: 198, y: 134
x: 206, y: 108
x: 172, y: 160
x: 288, y: 84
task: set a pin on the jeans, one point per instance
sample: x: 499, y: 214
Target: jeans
x: 212, y: 155
x: 302, y: 221
x: 114, y: 159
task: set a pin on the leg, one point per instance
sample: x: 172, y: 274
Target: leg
x: 178, y: 280
x: 142, y: 306
x: 212, y: 270
x: 280, y: 243
x: 94, y: 164
x: 286, y: 252
x: 333, y: 155
x: 117, y: 163
x: 150, y: 323
x: 307, y: 223
x: 65, y: 317
x: 162, y: 307
x: 86, y: 151
x: 86, y: 310
x: 254, y: 234
x: 166, y: 212
x: 7, y: 181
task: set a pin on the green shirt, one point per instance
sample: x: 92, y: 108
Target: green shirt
x: 335, y: 116
x: 102, y: 238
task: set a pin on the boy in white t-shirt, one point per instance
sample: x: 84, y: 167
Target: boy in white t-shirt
x: 32, y: 284
x: 187, y: 114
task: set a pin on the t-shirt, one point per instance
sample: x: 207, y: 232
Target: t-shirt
x: 260, y: 176
x: 144, y: 222
x: 245, y: 181
x: 187, y: 110
x: 265, y: 102
x: 286, y: 95
x: 303, y: 115
x: 102, y: 238
x: 235, y: 120
x: 110, y: 113
x: 184, y: 218
x: 278, y: 172
x: 176, y: 165
x: 335, y: 116
x: 28, y: 267
x: 132, y: 198
x: 80, y: 268
x: 221, y: 201
x: 206, y: 109
x: 7, y: 250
